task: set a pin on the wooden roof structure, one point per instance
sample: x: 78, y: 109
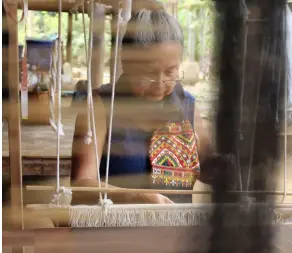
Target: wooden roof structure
x: 67, y: 5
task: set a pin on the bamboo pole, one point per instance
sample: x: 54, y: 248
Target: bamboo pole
x: 14, y: 130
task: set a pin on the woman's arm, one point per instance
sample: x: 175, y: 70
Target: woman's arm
x: 84, y: 169
x: 204, y: 145
x: 83, y: 156
x: 207, y: 156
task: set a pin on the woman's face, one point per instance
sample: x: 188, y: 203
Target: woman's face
x: 152, y: 71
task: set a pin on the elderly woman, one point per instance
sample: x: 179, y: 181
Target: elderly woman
x: 158, y: 140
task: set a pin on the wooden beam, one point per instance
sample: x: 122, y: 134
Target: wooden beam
x: 14, y: 127
x: 69, y: 38
x: 52, y: 5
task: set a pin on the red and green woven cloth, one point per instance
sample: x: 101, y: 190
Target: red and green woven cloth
x: 174, y: 156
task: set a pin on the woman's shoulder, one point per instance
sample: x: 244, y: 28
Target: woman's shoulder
x: 103, y: 90
x: 183, y: 93
x: 189, y: 96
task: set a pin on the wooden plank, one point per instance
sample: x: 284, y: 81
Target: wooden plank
x: 69, y: 38
x: 159, y: 239
x: 39, y: 157
x: 14, y: 119
x: 40, y: 166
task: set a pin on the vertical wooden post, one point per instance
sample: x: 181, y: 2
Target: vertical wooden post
x: 14, y: 128
x: 69, y: 38
x: 97, y: 61
x: 14, y: 131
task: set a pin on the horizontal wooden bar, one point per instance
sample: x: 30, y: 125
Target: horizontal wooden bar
x: 161, y: 191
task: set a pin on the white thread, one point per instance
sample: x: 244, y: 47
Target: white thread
x: 242, y: 92
x: 59, y: 81
x: 53, y: 90
x: 112, y: 102
x: 285, y: 115
x: 90, y: 99
x: 155, y: 215
x: 139, y: 215
x: 88, y: 136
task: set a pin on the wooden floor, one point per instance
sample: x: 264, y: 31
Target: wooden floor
x: 40, y: 140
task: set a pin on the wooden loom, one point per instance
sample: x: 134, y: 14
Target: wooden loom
x: 16, y: 199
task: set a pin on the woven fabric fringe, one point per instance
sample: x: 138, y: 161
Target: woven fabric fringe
x: 170, y: 215
x: 113, y: 216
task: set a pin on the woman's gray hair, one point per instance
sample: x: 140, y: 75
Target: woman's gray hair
x: 148, y: 27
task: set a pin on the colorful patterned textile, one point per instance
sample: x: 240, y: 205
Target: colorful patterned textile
x: 173, y: 155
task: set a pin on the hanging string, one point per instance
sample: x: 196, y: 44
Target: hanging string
x: 263, y: 56
x: 88, y: 137
x: 112, y: 101
x: 24, y: 78
x: 286, y: 109
x: 240, y: 137
x: 90, y: 112
x: 53, y: 87
x: 59, y: 82
x: 245, y: 13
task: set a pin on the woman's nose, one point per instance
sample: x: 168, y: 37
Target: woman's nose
x: 160, y: 78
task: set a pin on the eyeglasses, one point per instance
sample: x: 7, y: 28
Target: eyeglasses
x: 153, y: 81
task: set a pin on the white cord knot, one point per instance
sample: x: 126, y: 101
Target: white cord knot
x: 87, y: 138
x: 61, y: 130
x: 246, y: 203
x: 62, y: 197
x: 105, y: 203
x: 53, y: 125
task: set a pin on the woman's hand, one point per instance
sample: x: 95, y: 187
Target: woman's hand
x: 91, y: 198
x: 151, y: 198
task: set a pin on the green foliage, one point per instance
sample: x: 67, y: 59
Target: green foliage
x: 45, y: 24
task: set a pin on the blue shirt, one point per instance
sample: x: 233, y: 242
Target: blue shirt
x: 133, y: 143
